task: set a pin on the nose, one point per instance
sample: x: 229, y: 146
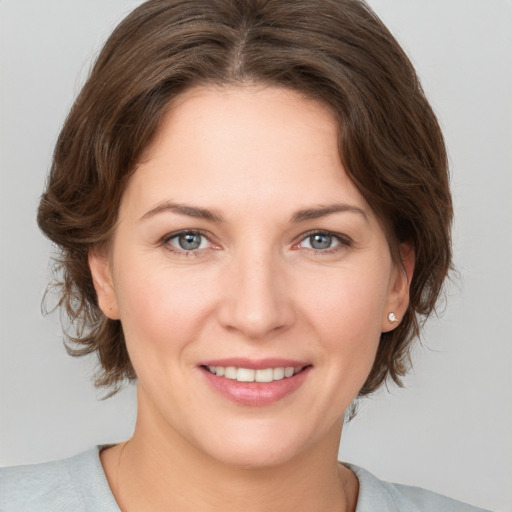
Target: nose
x: 256, y: 301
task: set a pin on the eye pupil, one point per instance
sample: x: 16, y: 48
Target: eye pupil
x: 189, y: 241
x: 320, y: 241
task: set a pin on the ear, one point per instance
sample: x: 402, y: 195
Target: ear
x: 101, y: 272
x: 398, y: 297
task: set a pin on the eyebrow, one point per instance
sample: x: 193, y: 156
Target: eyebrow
x: 182, y: 209
x: 323, y: 211
x: 214, y: 216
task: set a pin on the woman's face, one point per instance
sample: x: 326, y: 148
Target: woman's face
x: 251, y: 278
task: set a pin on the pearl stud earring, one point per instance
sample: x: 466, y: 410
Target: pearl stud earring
x: 392, y: 318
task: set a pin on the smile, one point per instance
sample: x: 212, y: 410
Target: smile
x: 254, y: 375
x: 255, y: 383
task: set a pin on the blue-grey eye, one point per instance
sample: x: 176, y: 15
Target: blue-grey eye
x: 320, y: 241
x: 189, y: 241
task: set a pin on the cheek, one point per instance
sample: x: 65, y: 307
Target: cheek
x: 342, y: 312
x: 162, y: 308
x: 346, y: 316
x: 347, y: 303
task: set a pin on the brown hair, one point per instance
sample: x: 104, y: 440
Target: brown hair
x: 335, y: 51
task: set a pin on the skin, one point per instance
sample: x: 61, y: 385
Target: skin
x: 255, y: 288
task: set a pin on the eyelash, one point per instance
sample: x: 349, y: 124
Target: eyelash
x: 343, y: 242
x: 165, y: 242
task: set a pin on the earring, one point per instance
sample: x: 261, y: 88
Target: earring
x: 392, y: 318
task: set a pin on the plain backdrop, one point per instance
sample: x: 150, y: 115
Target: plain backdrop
x: 450, y: 428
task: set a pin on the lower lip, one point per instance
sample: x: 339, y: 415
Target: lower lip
x: 256, y: 393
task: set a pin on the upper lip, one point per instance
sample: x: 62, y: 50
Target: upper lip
x: 255, y: 364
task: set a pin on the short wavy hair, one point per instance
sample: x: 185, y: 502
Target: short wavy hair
x: 336, y: 52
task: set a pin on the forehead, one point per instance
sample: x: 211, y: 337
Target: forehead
x: 241, y: 146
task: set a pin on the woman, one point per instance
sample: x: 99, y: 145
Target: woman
x: 252, y: 204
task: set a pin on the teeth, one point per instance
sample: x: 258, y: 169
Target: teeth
x: 230, y: 373
x: 278, y: 373
x: 245, y: 375
x: 288, y: 371
x: 251, y: 375
x: 266, y: 375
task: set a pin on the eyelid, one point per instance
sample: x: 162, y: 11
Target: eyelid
x: 344, y: 240
x: 165, y: 241
x: 174, y: 234
x: 340, y: 236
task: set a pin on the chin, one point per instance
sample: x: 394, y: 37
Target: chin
x: 257, y: 448
x: 245, y: 458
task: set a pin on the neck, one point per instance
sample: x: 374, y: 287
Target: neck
x: 159, y: 470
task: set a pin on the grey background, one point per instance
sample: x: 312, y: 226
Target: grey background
x: 450, y: 428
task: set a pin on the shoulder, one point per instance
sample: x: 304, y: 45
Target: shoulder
x: 45, y: 486
x: 71, y: 485
x: 378, y: 496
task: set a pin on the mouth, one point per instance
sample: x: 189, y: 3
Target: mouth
x: 262, y: 375
x: 256, y: 384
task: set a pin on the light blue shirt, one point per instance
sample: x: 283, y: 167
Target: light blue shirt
x: 78, y: 484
